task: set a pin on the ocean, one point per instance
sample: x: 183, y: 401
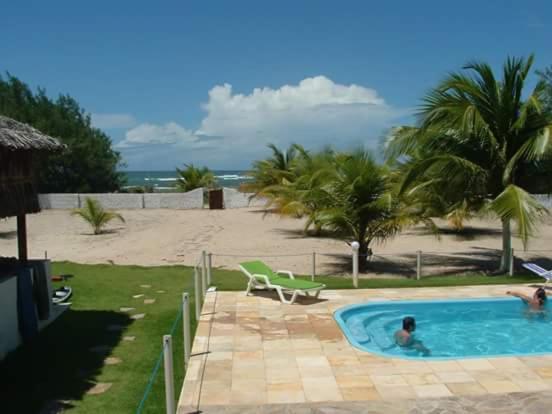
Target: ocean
x: 166, y: 180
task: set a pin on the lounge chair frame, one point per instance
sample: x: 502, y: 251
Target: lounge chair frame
x: 254, y: 283
x: 539, y: 271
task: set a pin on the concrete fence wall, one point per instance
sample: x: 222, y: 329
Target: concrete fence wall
x: 545, y: 200
x: 190, y: 200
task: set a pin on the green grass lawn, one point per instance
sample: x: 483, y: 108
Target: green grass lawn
x: 59, y: 365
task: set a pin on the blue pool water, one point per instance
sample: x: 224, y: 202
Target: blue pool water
x: 450, y: 329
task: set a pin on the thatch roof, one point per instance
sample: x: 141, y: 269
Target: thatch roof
x: 19, y: 143
x: 16, y: 136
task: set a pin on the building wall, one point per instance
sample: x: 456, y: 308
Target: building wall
x: 9, y: 331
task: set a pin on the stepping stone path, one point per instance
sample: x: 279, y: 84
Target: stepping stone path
x: 138, y: 296
x: 100, y: 349
x: 125, y: 309
x: 145, y: 286
x: 129, y: 338
x: 115, y: 328
x: 149, y: 301
x: 160, y: 291
x: 112, y: 361
x: 99, y: 388
x: 138, y: 316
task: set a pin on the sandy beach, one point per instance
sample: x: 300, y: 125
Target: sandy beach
x: 162, y: 237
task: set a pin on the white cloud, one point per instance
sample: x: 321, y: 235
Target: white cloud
x: 149, y: 134
x: 315, y: 112
x: 108, y: 121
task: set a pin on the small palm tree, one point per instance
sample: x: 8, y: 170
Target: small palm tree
x: 193, y: 177
x: 278, y: 169
x: 95, y: 215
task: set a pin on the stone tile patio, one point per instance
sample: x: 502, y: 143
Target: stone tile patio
x: 253, y: 351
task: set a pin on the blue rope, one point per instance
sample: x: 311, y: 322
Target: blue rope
x: 156, y: 368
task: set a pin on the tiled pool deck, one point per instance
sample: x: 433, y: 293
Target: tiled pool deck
x: 253, y: 351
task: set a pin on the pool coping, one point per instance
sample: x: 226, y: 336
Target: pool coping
x: 337, y: 315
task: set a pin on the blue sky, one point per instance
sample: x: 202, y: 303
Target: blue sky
x: 156, y: 75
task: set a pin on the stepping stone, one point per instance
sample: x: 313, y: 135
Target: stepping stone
x: 112, y: 361
x: 99, y: 388
x: 145, y: 286
x: 115, y: 328
x: 160, y: 291
x: 100, y: 349
x: 125, y: 309
x: 149, y: 301
x: 129, y: 338
x: 138, y: 296
x: 138, y: 316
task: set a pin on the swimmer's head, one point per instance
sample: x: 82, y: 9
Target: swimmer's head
x: 540, y: 295
x: 409, y: 324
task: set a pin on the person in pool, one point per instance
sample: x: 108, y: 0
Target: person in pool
x: 404, y: 337
x: 536, y: 302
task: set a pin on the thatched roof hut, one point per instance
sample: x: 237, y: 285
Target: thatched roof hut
x: 19, y: 143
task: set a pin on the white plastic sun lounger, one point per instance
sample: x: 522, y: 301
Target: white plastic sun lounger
x: 539, y: 271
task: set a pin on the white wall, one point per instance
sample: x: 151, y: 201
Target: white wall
x: 545, y: 200
x: 9, y: 331
x: 115, y: 200
x: 68, y: 201
x: 189, y: 200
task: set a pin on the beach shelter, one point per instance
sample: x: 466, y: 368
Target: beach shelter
x: 25, y: 286
x: 19, y: 146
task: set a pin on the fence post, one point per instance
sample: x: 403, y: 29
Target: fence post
x: 355, y: 247
x: 186, y: 326
x: 198, y: 297
x: 418, y: 264
x: 511, y: 264
x: 313, y: 273
x: 204, y: 272
x: 209, y: 267
x: 169, y: 374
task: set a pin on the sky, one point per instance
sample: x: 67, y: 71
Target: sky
x: 213, y: 82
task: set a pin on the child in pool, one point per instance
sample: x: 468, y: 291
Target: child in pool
x: 405, y: 339
x: 536, y: 302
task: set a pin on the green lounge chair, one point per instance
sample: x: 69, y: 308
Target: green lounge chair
x: 262, y: 277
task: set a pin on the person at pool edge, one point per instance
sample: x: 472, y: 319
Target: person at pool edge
x: 405, y: 338
x: 536, y: 301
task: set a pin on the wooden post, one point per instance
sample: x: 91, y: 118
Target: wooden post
x: 209, y: 268
x: 186, y: 327
x: 355, y: 246
x: 22, y: 237
x: 313, y: 274
x: 169, y: 374
x: 204, y: 283
x: 511, y: 264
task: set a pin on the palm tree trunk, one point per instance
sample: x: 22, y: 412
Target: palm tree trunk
x: 362, y: 257
x: 506, y: 246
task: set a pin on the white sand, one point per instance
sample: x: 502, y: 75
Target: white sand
x: 158, y: 237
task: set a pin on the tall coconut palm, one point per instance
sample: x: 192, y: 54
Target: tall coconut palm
x: 475, y: 137
x: 193, y: 177
x: 95, y: 215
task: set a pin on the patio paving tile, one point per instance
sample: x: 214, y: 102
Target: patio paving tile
x: 466, y: 388
x: 257, y: 354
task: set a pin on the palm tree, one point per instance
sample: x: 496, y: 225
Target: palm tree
x: 95, y: 215
x: 192, y: 177
x: 476, y: 137
x: 276, y: 170
x: 362, y: 206
x: 307, y: 195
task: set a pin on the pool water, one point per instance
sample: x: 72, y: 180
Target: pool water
x: 450, y: 328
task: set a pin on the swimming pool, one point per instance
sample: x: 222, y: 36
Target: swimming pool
x: 467, y: 328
